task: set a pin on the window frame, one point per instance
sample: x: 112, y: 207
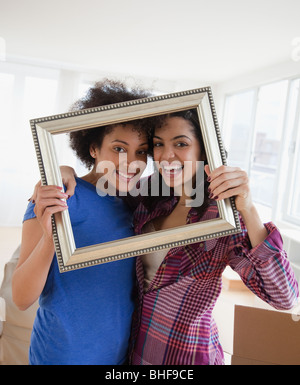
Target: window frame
x: 288, y: 149
x: 293, y: 149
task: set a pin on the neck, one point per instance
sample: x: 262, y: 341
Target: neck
x: 181, y: 204
x: 92, y: 177
x: 183, y: 195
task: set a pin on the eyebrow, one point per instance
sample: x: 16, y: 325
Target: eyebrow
x: 175, y: 137
x: 122, y: 141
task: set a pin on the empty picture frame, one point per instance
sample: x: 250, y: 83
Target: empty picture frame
x: 43, y: 129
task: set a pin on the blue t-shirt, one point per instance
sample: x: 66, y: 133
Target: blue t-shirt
x: 85, y: 315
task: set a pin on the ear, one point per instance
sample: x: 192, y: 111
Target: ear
x: 93, y: 151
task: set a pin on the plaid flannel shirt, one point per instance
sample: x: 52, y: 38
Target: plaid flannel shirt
x: 173, y: 322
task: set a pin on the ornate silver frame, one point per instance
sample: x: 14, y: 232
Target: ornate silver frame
x: 69, y: 257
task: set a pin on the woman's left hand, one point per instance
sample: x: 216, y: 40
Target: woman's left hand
x: 226, y: 182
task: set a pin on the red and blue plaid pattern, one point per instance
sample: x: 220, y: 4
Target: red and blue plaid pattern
x: 173, y: 323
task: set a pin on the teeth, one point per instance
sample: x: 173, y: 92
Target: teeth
x: 127, y: 176
x: 172, y: 168
x: 169, y: 168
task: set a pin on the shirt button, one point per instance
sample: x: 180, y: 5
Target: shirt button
x: 201, y: 244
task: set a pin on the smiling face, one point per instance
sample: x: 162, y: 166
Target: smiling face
x: 123, y: 154
x: 177, y: 150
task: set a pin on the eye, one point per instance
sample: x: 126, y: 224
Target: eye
x: 119, y: 149
x: 157, y: 144
x: 142, y: 152
x: 181, y: 144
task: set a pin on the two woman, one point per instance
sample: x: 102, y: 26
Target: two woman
x: 178, y: 288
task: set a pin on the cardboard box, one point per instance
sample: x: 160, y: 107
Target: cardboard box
x: 223, y: 313
x: 265, y: 337
x: 232, y: 281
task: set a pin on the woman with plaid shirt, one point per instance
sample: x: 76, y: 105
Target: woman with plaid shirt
x: 178, y: 288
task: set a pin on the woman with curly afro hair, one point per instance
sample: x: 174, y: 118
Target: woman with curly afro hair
x: 84, y: 315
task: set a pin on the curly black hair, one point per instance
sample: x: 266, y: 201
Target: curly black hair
x: 103, y: 93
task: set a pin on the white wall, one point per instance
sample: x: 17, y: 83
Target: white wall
x: 20, y: 173
x: 18, y: 165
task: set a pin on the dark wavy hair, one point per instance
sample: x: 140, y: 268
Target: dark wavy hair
x: 102, y: 93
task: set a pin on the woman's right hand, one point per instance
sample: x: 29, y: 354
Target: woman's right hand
x: 37, y: 248
x: 48, y: 201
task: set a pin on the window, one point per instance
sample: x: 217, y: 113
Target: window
x: 25, y: 93
x: 6, y: 102
x: 238, y: 121
x: 39, y: 100
x: 65, y: 154
x: 294, y: 209
x: 266, y: 141
x: 292, y: 212
x: 261, y: 128
x: 83, y: 88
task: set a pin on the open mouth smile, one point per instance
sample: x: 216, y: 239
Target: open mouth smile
x: 172, y: 170
x: 126, y: 177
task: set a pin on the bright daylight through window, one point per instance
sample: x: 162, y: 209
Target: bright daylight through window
x: 261, y: 129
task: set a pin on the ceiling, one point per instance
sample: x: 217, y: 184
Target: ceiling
x: 210, y: 40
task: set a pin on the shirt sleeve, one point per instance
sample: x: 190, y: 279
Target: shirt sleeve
x: 264, y: 269
x: 29, y: 213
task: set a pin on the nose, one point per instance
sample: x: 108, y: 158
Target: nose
x: 167, y: 153
x: 129, y: 162
x: 130, y: 158
x: 124, y: 160
x: 127, y: 157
